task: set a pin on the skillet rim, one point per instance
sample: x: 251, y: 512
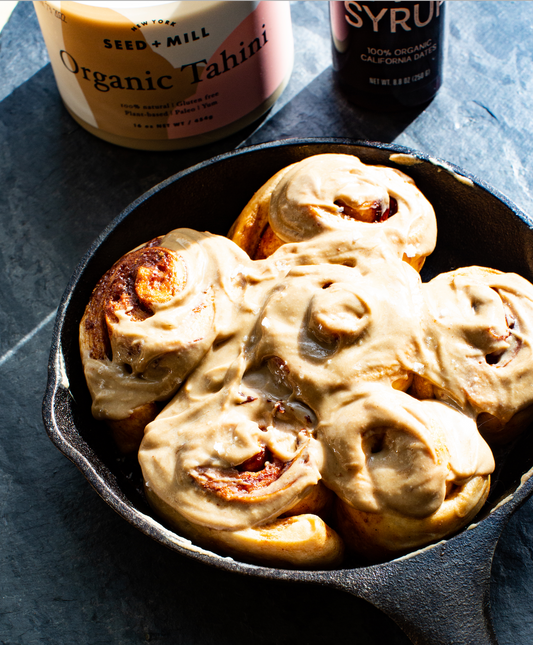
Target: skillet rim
x: 56, y: 412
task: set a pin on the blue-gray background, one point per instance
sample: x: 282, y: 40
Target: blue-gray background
x: 71, y: 571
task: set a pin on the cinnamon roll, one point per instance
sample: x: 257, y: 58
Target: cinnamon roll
x: 329, y: 328
x: 150, y: 320
x: 336, y: 192
x: 240, y: 472
x: 479, y: 347
x: 298, y: 389
x: 406, y: 472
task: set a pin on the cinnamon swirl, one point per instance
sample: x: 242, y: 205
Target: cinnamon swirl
x: 317, y: 395
x: 149, y: 322
x: 335, y: 192
x: 479, y: 347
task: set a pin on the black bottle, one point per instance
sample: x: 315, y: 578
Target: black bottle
x: 388, y: 55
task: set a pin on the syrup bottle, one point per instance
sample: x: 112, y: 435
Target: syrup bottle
x: 388, y: 55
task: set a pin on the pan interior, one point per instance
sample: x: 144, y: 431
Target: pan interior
x: 475, y: 226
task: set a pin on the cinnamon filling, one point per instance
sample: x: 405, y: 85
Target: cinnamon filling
x: 123, y: 287
x: 370, y: 213
x: 255, y: 473
x: 144, y: 278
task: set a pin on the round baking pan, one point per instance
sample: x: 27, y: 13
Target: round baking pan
x: 439, y: 594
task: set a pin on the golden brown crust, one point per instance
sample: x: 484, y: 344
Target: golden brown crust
x: 268, y: 244
x: 128, y: 433
x: 252, y: 224
x: 376, y: 537
x: 298, y: 542
x: 145, y: 277
x: 420, y: 388
x: 140, y: 278
x: 319, y: 501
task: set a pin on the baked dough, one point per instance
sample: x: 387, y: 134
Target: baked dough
x: 336, y: 192
x: 149, y: 321
x: 376, y: 537
x: 479, y: 347
x: 317, y: 395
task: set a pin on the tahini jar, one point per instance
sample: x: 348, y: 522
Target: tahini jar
x: 167, y: 75
x: 388, y: 55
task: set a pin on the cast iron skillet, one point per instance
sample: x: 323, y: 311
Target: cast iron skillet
x: 437, y: 595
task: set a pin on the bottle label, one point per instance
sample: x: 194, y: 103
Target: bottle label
x: 384, y: 46
x: 166, y: 70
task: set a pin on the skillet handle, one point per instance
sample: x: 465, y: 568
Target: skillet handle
x: 440, y: 596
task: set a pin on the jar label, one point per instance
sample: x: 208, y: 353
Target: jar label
x: 380, y: 47
x: 170, y: 70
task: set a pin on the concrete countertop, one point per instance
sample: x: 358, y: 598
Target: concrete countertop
x: 71, y: 570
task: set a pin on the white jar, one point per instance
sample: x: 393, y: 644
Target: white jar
x: 167, y: 75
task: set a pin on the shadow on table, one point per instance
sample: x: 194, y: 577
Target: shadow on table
x: 67, y: 185
x: 87, y: 572
x: 321, y: 110
x: 61, y: 187
x: 146, y: 592
x: 64, y: 185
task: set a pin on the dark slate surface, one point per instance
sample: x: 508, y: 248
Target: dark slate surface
x: 71, y: 570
